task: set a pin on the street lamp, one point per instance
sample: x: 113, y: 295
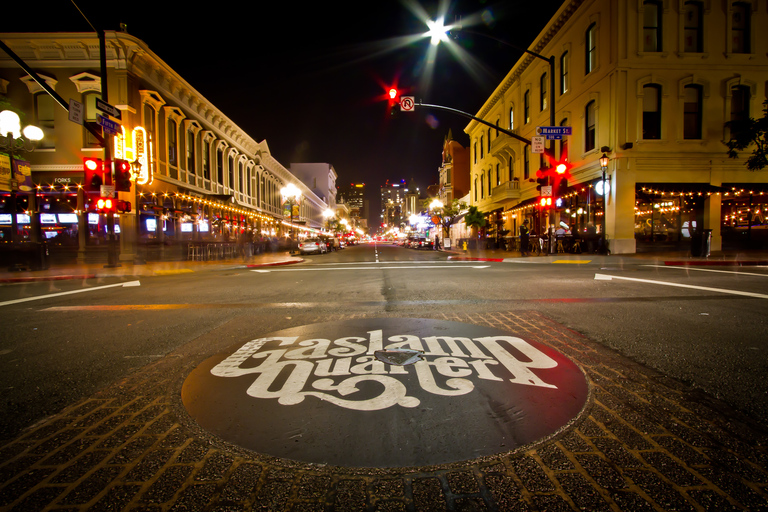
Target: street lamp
x: 13, y: 139
x: 604, y: 192
x: 291, y: 195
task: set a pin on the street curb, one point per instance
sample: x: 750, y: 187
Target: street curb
x: 715, y: 263
x: 467, y: 258
x: 47, y: 278
x: 275, y: 264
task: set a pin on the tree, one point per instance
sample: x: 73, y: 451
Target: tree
x: 747, y: 132
x: 449, y: 214
x: 474, y: 219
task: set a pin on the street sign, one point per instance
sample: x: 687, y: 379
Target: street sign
x: 546, y: 190
x: 537, y: 144
x: 107, y: 190
x: 407, y: 103
x: 107, y: 108
x: 76, y: 111
x: 554, y: 132
x: 109, y: 126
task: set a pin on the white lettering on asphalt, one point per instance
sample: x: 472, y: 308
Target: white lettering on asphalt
x: 604, y: 277
x: 331, y: 370
x: 61, y: 294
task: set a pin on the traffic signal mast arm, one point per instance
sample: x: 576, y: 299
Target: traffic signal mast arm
x: 547, y: 151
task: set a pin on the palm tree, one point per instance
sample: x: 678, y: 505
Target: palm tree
x: 474, y: 219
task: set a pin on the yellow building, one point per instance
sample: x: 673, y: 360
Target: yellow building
x: 200, y: 176
x: 650, y: 83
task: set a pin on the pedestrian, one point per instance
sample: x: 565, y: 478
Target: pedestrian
x: 524, y: 238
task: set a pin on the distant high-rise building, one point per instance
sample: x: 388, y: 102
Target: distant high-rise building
x: 353, y: 196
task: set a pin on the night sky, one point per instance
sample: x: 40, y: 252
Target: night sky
x: 311, y: 77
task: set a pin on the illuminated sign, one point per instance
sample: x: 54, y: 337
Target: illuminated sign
x: 138, y: 150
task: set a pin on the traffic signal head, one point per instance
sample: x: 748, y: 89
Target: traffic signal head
x: 545, y: 202
x: 393, y: 93
x: 122, y: 176
x: 123, y: 206
x: 94, y: 174
x: 561, y: 168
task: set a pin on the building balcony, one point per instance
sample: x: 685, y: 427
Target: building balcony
x: 503, y: 147
x: 501, y: 196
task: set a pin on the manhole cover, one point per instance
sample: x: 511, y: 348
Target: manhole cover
x: 385, y: 392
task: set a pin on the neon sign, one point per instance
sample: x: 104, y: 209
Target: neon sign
x: 138, y: 151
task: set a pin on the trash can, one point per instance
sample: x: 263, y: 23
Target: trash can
x: 701, y: 244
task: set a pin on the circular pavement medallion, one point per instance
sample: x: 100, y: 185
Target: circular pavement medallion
x: 385, y: 392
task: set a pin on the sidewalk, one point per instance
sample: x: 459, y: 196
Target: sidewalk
x: 675, y: 258
x: 152, y: 268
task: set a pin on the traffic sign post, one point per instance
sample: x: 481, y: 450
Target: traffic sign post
x: 407, y: 103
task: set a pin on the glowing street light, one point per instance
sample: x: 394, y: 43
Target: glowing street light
x: 437, y: 31
x: 291, y: 195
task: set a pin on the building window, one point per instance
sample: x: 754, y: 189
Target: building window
x: 482, y: 148
x: 44, y: 110
x: 475, y: 189
x: 475, y: 148
x: 90, y: 115
x: 651, y: 111
x: 740, y: 103
x: 527, y: 107
x: 482, y: 186
x: 231, y: 172
x: 589, y: 126
x: 220, y: 165
x: 511, y: 118
x: 490, y: 183
x: 564, y: 143
x: 511, y: 169
x: 191, y: 154
x: 652, y: 26
x: 692, y: 112
x: 173, y: 149
x: 693, y: 33
x: 565, y: 65
x: 740, y: 28
x: 498, y: 174
x: 591, y: 49
x: 543, y: 89
x: 526, y: 165
x: 206, y: 160
x: 489, y: 141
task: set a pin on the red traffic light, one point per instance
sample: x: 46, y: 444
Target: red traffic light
x: 393, y: 93
x: 123, y: 206
x: 93, y: 169
x: 122, y: 176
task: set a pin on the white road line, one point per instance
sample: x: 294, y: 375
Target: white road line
x: 261, y: 271
x: 604, y: 277
x: 61, y: 294
x: 709, y: 270
x: 425, y: 262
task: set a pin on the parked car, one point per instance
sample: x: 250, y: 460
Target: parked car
x: 311, y: 245
x: 423, y: 243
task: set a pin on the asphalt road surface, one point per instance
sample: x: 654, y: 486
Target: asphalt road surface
x: 64, y: 340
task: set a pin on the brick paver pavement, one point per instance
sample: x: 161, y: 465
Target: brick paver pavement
x: 644, y: 442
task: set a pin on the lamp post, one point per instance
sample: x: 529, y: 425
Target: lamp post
x: 136, y: 172
x: 291, y: 196
x: 14, y: 140
x: 604, y: 192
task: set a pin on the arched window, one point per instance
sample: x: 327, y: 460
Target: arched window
x: 511, y: 118
x: 692, y: 112
x: 651, y: 111
x: 740, y: 103
x: 543, y: 92
x: 564, y: 143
